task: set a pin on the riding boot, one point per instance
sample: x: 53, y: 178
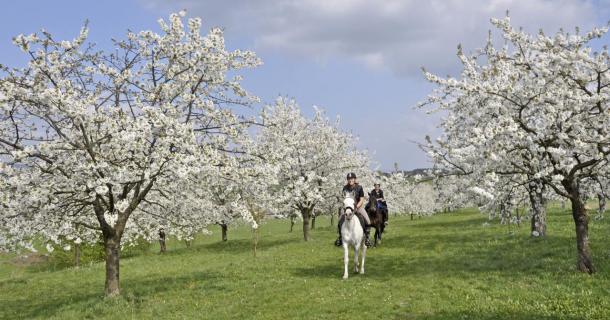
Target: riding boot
x: 367, y: 232
x: 339, y: 241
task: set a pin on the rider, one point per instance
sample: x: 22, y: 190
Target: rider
x: 378, y: 193
x: 354, y: 190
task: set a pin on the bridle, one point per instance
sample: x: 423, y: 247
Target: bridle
x: 349, y: 213
x: 348, y: 208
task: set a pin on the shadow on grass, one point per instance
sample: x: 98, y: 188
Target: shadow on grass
x: 485, y: 316
x: 133, y: 291
x: 12, y: 281
x: 452, y: 254
x: 457, y: 223
x: 154, y: 285
x: 237, y: 246
x: 35, y: 308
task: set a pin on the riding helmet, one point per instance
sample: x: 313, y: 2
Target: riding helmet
x: 351, y: 175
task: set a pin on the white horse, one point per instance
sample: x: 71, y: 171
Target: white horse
x: 352, y: 234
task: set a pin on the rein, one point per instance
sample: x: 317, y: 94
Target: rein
x: 351, y: 210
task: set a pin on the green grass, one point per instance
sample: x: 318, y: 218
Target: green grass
x: 448, y: 266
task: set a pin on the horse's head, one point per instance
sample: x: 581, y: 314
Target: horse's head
x: 372, y: 200
x: 348, y: 206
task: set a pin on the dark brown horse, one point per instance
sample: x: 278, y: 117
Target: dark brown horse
x: 376, y: 216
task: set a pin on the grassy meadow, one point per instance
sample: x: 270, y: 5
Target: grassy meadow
x: 448, y: 266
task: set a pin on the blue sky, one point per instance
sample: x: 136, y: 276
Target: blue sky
x: 359, y: 59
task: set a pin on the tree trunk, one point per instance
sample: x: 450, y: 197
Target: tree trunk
x: 112, y: 249
x: 224, y: 228
x: 313, y: 221
x: 77, y: 255
x: 254, y: 241
x: 581, y: 220
x: 538, y: 208
x: 291, y: 223
x: 162, y: 245
x: 601, y: 198
x: 306, y: 218
x: 504, y: 214
x: 332, y: 218
x: 411, y: 216
x: 581, y: 223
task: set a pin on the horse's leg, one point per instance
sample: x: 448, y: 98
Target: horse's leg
x: 376, y: 235
x: 379, y: 229
x: 356, y: 258
x: 363, y: 258
x: 345, y: 259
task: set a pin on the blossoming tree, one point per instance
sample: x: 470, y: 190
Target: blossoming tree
x: 312, y: 157
x: 95, y: 142
x: 413, y: 195
x: 535, y: 110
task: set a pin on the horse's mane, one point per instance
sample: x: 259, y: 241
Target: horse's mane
x: 372, y: 196
x: 351, y: 203
x: 372, y: 201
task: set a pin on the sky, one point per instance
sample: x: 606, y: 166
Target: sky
x: 358, y: 59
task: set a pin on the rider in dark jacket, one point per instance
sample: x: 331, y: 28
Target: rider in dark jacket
x: 378, y: 194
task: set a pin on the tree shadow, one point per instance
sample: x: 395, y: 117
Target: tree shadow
x: 483, y: 316
x: 457, y: 223
x: 144, y: 286
x: 12, y: 281
x: 452, y: 254
x: 133, y: 290
x: 460, y: 241
x: 236, y: 247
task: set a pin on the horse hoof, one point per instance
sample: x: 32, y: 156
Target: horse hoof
x: 361, y: 271
x: 345, y: 277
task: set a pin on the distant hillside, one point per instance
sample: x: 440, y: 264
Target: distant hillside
x: 410, y: 173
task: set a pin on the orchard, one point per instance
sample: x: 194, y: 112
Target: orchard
x: 147, y: 178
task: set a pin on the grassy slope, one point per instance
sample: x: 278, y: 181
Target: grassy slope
x: 448, y: 266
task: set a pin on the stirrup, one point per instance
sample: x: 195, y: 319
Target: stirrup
x: 367, y: 242
x: 339, y: 242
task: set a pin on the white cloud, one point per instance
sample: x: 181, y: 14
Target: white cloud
x: 398, y: 35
